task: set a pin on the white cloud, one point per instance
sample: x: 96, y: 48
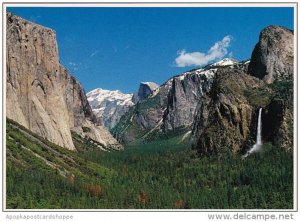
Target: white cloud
x: 217, y: 51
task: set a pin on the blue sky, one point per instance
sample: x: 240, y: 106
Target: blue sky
x: 117, y: 48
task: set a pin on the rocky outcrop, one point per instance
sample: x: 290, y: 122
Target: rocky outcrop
x: 82, y: 120
x: 168, y: 109
x: 184, y: 94
x: 171, y: 108
x: 278, y: 117
x: 109, y: 106
x: 273, y: 56
x: 273, y: 61
x: 145, y: 90
x: 41, y: 94
x: 226, y: 119
x: 144, y: 117
x: 32, y: 81
x: 220, y: 102
x: 77, y: 104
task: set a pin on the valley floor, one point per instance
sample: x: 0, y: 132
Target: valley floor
x: 163, y: 174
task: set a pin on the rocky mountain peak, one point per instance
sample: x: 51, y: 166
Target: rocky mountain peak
x: 273, y: 56
x: 228, y: 115
x: 275, y: 32
x: 145, y: 89
x: 225, y: 62
x: 109, y: 106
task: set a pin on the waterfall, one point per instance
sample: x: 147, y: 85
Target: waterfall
x: 257, y: 146
x: 258, y: 135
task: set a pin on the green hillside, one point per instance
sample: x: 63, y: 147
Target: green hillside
x: 161, y: 174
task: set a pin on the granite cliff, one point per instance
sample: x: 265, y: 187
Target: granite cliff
x: 170, y: 108
x: 273, y: 56
x: 228, y: 117
x: 40, y: 93
x: 218, y: 104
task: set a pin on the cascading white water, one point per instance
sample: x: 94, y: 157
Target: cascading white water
x: 258, y: 135
x: 257, y: 146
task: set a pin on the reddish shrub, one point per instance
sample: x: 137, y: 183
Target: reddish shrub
x: 143, y: 197
x: 94, y: 190
x: 179, y: 204
x: 71, y: 178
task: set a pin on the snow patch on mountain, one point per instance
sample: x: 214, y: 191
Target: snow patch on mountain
x: 225, y: 62
x: 109, y: 106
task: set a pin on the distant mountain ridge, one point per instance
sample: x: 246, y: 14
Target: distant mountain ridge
x: 109, y: 106
x: 216, y: 106
x: 171, y: 106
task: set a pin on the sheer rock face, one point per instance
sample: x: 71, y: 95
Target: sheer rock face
x: 169, y: 108
x: 226, y: 119
x: 279, y: 116
x: 34, y: 93
x: 41, y: 94
x: 79, y: 109
x: 175, y: 101
x: 273, y: 55
x: 145, y: 90
x: 227, y: 116
x: 172, y: 107
x: 273, y: 61
x: 81, y: 114
x: 184, y: 94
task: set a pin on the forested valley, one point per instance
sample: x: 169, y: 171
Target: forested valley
x: 162, y: 174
